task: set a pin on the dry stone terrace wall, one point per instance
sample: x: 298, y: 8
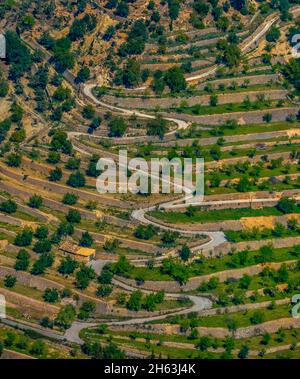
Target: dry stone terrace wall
x: 233, y: 138
x: 171, y: 140
x: 241, y: 307
x: 165, y: 65
x: 267, y: 327
x: 167, y: 102
x: 123, y: 312
x: 241, y: 196
x: 252, y: 117
x: 53, y: 204
x: 29, y: 305
x: 195, y: 33
x: 253, y: 195
x: 218, y: 332
x: 193, y: 44
x: 136, y: 245
x: 42, y: 283
x: 10, y: 220
x: 170, y: 58
x: 57, y: 188
x: 45, y: 170
x: 98, y: 237
x: 253, y: 80
x: 277, y: 243
x: 213, y: 226
x: 31, y: 211
x: 127, y: 243
x: 255, y: 159
x: 8, y: 354
x: 193, y: 283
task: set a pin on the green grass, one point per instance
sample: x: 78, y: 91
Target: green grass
x: 288, y: 336
x: 203, y: 266
x: 241, y: 130
x: 257, y: 234
x: 223, y: 108
x: 203, y: 216
x: 265, y: 186
x: 194, y: 92
x: 154, y: 342
x: 30, y: 292
x: 284, y: 337
x: 52, y: 351
x: 92, y: 336
x: 257, y: 283
x: 287, y: 354
x: 240, y: 319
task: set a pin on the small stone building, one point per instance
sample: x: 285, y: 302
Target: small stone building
x: 81, y: 254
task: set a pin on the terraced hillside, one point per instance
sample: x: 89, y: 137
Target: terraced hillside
x: 113, y: 275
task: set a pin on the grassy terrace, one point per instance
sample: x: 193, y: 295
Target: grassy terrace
x: 235, y: 291
x: 217, y: 131
x: 162, y: 343
x: 25, y: 344
x: 190, y: 40
x: 287, y: 354
x: 203, y: 216
x: 239, y: 319
x: 148, y: 347
x: 235, y: 152
x: 203, y: 266
x: 90, y: 225
x: 222, y: 131
x: 4, y: 236
x: 199, y: 109
x: 279, y: 231
x: 192, y: 91
x: 254, y: 343
x: 266, y: 186
x: 239, y: 74
x: 21, y: 289
x: 177, y: 58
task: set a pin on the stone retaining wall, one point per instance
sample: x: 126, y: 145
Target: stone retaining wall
x: 168, y: 102
x: 216, y: 332
x: 53, y: 204
x: 42, y: 283
x: 251, y: 117
x: 193, y: 283
x: 58, y: 188
x: 253, y: 80
x: 226, y: 224
x: 28, y: 305
x: 277, y: 243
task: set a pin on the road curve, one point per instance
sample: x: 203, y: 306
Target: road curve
x: 88, y: 92
x: 199, y: 303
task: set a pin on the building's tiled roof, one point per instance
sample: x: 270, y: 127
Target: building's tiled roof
x: 77, y: 250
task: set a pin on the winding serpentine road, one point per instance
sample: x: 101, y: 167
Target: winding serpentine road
x: 216, y: 238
